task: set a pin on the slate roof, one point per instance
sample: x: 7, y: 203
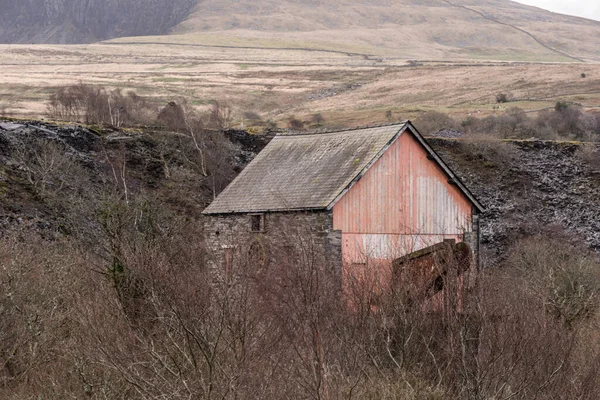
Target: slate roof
x: 311, y: 171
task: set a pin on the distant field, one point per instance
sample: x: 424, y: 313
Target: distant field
x: 345, y: 88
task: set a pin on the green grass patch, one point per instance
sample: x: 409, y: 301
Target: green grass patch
x: 169, y: 80
x: 202, y: 102
x: 173, y: 66
x: 208, y: 39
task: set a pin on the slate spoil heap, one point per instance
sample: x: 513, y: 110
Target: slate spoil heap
x: 527, y: 187
x: 530, y: 187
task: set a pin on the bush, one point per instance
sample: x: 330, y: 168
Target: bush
x: 504, y: 338
x: 434, y: 121
x: 317, y: 119
x: 565, y: 278
x: 271, y: 125
x: 252, y: 116
x: 98, y: 105
x: 296, y: 124
x: 173, y: 117
x: 150, y: 317
x: 561, y: 106
x: 502, y: 98
x: 48, y: 169
x: 564, y: 121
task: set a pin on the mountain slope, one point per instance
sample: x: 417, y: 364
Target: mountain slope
x: 419, y: 29
x: 82, y: 21
x: 489, y: 29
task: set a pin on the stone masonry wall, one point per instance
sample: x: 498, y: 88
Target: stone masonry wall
x: 281, y: 230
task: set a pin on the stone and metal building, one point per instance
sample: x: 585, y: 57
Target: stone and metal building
x: 365, y: 197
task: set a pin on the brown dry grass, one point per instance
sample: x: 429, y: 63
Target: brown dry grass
x: 279, y: 83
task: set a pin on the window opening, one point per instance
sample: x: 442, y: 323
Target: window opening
x: 257, y: 222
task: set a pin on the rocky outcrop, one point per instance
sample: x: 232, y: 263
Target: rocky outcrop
x: 530, y: 187
x: 84, y: 21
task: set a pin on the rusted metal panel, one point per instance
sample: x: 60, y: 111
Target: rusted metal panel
x: 403, y: 203
x: 424, y: 273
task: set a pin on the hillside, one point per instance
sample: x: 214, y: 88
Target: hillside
x: 419, y: 29
x: 85, y: 21
x: 528, y: 187
x: 423, y: 29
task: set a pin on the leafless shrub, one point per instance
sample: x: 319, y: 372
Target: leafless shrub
x: 565, y: 121
x: 66, y: 103
x: 502, y: 98
x: 296, y: 124
x: 569, y: 121
x: 434, y: 121
x: 317, y: 119
x: 98, y: 105
x: 488, y: 151
x: 518, y: 335
x: 203, y: 146
x: 155, y: 315
x: 513, y: 123
x: 252, y: 116
x: 565, y: 278
x: 44, y: 289
x: 271, y: 125
x: 173, y: 117
x: 48, y: 168
x: 221, y: 116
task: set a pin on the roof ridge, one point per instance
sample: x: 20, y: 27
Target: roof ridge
x: 335, y: 130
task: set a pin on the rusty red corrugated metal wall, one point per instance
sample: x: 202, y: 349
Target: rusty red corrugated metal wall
x: 403, y: 203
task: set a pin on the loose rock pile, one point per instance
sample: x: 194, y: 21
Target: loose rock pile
x: 529, y: 188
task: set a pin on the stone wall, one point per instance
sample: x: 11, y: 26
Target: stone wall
x: 282, y: 233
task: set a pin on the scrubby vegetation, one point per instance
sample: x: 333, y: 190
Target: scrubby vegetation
x: 565, y: 121
x: 107, y: 290
x: 143, y: 316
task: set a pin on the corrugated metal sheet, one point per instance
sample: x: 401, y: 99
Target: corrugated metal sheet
x: 403, y: 203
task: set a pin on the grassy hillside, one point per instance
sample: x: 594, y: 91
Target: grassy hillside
x: 277, y: 84
x: 423, y: 29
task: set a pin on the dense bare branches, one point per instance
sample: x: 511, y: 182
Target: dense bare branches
x: 564, y: 121
x: 98, y: 105
x: 146, y: 311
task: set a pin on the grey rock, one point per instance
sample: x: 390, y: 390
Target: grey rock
x: 9, y: 126
x: 544, y: 186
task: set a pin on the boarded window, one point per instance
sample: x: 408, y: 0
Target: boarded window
x: 257, y: 222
